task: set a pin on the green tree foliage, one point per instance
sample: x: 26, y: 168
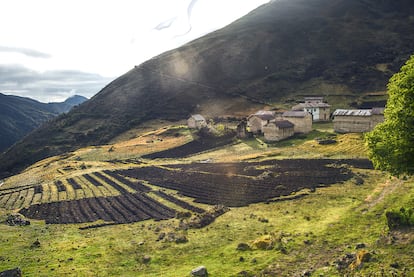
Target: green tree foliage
x: 391, y: 143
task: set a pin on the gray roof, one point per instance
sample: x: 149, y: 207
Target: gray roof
x: 342, y: 112
x: 295, y: 113
x: 282, y: 124
x: 264, y: 115
x: 198, y: 117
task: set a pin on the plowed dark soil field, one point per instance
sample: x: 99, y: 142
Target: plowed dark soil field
x: 229, y: 184
x: 239, y: 184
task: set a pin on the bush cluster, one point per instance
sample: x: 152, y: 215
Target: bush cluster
x: 400, y: 218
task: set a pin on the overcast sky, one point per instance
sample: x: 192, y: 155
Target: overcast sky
x: 50, y: 50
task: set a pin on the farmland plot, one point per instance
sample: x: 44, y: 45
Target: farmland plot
x: 120, y: 196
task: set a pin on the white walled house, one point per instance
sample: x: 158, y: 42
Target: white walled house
x: 319, y: 110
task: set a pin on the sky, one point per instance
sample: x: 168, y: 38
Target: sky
x: 53, y: 49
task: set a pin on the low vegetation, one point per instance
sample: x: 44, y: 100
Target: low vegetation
x: 126, y: 215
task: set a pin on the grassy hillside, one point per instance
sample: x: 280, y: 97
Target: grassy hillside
x: 317, y: 231
x: 277, y: 54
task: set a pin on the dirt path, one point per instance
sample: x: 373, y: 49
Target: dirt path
x: 380, y: 192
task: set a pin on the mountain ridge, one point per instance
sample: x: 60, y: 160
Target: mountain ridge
x: 274, y: 55
x: 21, y: 115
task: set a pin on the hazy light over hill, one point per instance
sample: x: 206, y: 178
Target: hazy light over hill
x: 50, y: 50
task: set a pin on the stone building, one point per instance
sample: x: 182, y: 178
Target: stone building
x: 278, y: 130
x: 357, y: 121
x: 319, y: 110
x: 257, y: 121
x: 302, y: 120
x: 196, y: 121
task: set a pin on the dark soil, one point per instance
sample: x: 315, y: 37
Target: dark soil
x: 228, y: 184
x: 240, y: 184
x: 191, y: 148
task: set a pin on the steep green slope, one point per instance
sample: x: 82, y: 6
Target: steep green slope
x: 276, y: 54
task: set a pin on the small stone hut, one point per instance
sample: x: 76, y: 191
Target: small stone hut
x: 257, y: 121
x: 357, y: 121
x: 278, y: 130
x: 319, y: 110
x: 302, y: 120
x: 241, y: 129
x: 196, y: 121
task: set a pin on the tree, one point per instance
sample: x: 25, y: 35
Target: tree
x: 391, y: 143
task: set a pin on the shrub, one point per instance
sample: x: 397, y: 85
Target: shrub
x: 400, y: 219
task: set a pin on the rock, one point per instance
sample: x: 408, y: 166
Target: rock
x: 16, y: 220
x: 306, y: 273
x: 395, y: 265
x: 161, y: 236
x: 360, y: 245
x: 264, y: 220
x: 265, y: 242
x: 181, y: 239
x: 15, y: 272
x: 358, y: 181
x: 200, y: 271
x: 208, y: 217
x: 345, y: 261
x: 146, y: 259
x: 35, y: 244
x: 361, y: 257
x: 243, y: 247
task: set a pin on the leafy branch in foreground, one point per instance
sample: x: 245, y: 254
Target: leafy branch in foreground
x: 391, y: 143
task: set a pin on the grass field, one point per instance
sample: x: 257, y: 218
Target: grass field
x: 307, y: 235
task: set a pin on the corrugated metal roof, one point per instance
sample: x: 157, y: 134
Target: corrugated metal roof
x: 378, y: 110
x: 343, y: 112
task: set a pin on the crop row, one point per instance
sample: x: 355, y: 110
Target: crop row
x: 138, y: 186
x: 243, y: 183
x: 179, y: 202
x: 123, y: 208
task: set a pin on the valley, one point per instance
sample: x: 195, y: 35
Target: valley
x: 107, y: 210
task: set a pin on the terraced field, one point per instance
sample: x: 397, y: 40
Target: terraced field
x: 122, y: 197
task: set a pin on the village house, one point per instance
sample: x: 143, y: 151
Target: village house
x: 319, y: 110
x: 302, y: 120
x: 278, y: 130
x: 196, y: 121
x: 257, y: 121
x: 357, y: 121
